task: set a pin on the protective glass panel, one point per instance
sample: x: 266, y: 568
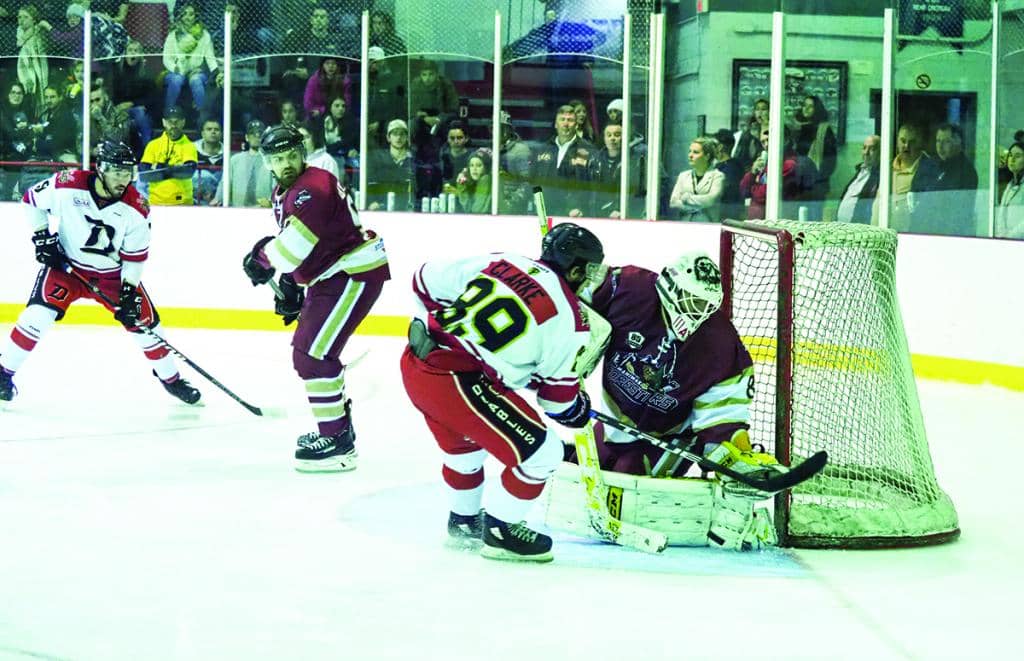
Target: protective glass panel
x: 943, y: 80
x: 711, y: 154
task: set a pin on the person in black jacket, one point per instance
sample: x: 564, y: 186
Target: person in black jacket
x: 944, y: 189
x: 859, y: 193
x: 560, y: 166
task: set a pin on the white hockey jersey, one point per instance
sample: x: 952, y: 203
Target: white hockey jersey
x: 515, y: 315
x: 97, y: 235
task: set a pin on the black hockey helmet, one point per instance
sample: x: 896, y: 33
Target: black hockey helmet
x: 116, y: 153
x: 281, y: 138
x: 568, y: 245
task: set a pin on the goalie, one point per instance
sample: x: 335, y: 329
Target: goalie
x: 675, y: 368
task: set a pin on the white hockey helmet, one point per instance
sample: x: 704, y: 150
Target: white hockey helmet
x: 690, y: 291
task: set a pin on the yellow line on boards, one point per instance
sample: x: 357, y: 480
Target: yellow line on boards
x: 928, y: 367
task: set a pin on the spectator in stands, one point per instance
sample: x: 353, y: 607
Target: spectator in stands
x: 755, y: 183
x: 731, y: 204
x: 433, y: 102
x: 473, y: 184
x: 316, y: 39
x: 169, y: 161
x: 109, y: 38
x: 340, y: 131
x: 909, y: 156
x: 106, y: 121
x: 802, y: 199
x: 514, y: 161
x: 33, y: 67
x: 614, y: 111
x: 557, y: 166
x: 55, y: 136
x: 15, y: 135
x: 134, y: 92
x: 814, y: 138
x: 383, y: 34
x: 316, y: 155
x: 432, y: 96
x: 698, y: 191
x: 210, y: 148
x: 748, y: 140
x: 606, y: 175
x: 288, y: 113
x: 387, y: 92
x: 328, y: 82
x: 858, y: 197
x: 584, y: 127
x: 391, y: 170
x: 944, y: 189
x: 251, y: 181
x: 113, y: 10
x: 188, y: 57
x: 1010, y: 212
x: 455, y: 154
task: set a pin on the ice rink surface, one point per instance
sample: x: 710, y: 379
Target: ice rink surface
x: 134, y: 527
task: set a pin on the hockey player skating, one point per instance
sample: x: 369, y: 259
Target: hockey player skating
x: 332, y: 272
x: 491, y: 325
x: 102, y: 236
x: 676, y: 368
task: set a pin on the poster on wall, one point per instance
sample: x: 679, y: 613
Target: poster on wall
x: 826, y: 80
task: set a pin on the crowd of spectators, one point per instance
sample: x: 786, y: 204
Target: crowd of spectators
x: 422, y: 143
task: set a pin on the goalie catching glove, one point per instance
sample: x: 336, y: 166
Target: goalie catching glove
x: 741, y: 457
x: 290, y: 305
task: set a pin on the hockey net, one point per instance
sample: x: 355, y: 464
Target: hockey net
x: 816, y: 305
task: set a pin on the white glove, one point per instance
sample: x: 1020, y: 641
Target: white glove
x: 736, y: 525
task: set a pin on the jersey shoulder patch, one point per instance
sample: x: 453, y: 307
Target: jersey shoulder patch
x: 133, y: 198
x: 77, y: 179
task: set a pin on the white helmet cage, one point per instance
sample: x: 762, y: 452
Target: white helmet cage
x: 690, y: 291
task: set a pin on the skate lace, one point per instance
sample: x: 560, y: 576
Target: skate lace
x: 519, y: 531
x: 320, y: 443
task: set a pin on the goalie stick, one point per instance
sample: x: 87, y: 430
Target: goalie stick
x: 780, y: 482
x: 606, y: 526
x: 255, y: 410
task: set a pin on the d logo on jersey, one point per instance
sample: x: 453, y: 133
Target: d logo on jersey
x: 101, y: 239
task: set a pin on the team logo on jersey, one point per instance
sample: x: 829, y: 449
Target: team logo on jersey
x: 302, y: 197
x: 635, y: 340
x: 80, y: 202
x: 64, y: 177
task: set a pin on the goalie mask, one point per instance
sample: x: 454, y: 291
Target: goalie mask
x: 690, y: 291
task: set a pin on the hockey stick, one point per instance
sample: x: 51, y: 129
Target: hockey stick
x: 780, y: 482
x: 255, y: 410
x: 606, y: 526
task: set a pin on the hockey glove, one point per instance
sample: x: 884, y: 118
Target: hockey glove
x: 258, y: 274
x: 48, y: 250
x: 129, y: 307
x: 289, y: 306
x: 575, y: 416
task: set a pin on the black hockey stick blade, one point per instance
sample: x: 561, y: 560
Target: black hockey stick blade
x: 780, y: 482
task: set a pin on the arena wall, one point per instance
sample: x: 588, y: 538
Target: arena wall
x: 962, y: 299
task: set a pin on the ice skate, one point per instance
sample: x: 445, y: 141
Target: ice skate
x: 514, y: 541
x: 465, y: 531
x: 181, y: 389
x: 326, y: 454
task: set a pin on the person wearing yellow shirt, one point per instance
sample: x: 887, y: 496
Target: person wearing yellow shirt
x: 169, y: 161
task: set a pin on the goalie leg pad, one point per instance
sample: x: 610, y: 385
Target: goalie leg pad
x: 736, y: 525
x: 679, y: 509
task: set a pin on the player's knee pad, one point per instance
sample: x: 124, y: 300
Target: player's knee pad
x: 465, y: 462
x: 308, y: 367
